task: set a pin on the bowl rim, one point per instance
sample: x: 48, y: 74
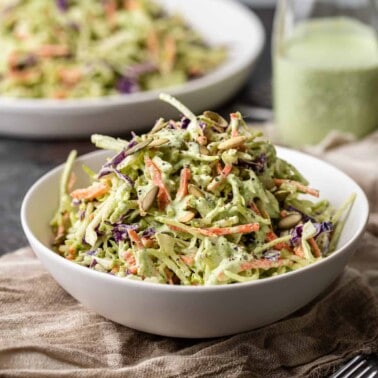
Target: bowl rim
x: 183, y: 288
x: 227, y: 69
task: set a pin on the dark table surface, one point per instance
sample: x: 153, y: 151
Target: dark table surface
x: 22, y: 162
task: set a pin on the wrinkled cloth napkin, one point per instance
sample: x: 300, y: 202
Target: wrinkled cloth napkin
x: 44, y: 332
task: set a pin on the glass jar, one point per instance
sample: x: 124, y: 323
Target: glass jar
x: 325, y: 68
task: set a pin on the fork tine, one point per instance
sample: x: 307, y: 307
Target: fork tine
x: 345, y: 368
x: 373, y: 374
x: 367, y: 370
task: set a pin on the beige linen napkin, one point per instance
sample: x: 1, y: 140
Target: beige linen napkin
x: 44, y: 332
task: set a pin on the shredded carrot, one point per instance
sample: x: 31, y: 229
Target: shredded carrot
x: 21, y: 35
x: 261, y: 213
x: 70, y: 76
x: 94, y: 191
x: 270, y: 236
x: 221, y: 276
x: 223, y: 174
x: 60, y: 94
x: 188, y: 260
x: 13, y: 59
x: 219, y: 231
x: 163, y: 195
x: 71, y: 182
x: 234, y: 133
x: 301, y: 187
x: 261, y: 264
x: 134, y: 237
x: 48, y: 51
x: 226, y: 170
x: 25, y: 76
x: 176, y: 228
x: 299, y: 251
x: 255, y: 209
x: 131, y: 4
x: 170, y: 50
x: 110, y: 7
x: 315, y: 247
x: 184, y: 181
x: 153, y: 44
x: 131, y: 262
x: 283, y: 213
x: 115, y: 269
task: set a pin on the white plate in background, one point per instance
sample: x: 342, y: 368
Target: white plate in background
x: 221, y: 22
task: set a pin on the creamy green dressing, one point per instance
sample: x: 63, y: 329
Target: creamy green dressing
x: 325, y: 78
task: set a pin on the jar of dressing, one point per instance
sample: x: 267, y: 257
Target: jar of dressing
x: 325, y: 68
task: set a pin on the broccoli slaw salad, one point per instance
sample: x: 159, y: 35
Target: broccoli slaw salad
x: 83, y: 49
x: 199, y: 201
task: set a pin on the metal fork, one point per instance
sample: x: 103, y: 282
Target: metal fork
x: 358, y: 367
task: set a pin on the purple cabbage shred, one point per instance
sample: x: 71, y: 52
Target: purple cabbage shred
x: 128, y: 82
x: 202, y: 125
x: 135, y: 71
x: 296, y: 233
x: 62, y: 5
x: 93, y: 263
x: 27, y: 61
x: 120, y: 231
x: 148, y: 232
x: 323, y: 227
x: 123, y: 177
x: 171, y: 125
x: 271, y: 255
x: 110, y: 167
x: 126, y: 85
x: 258, y: 165
x: 185, y: 123
x: 81, y: 214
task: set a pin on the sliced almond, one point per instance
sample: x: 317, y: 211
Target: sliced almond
x: 202, y: 140
x: 149, y: 198
x: 158, y: 142
x: 195, y: 191
x: 138, y: 147
x: 203, y: 150
x: 187, y: 217
x: 159, y: 124
x: 232, y: 143
x: 281, y: 194
x: 216, y: 118
x: 289, y: 221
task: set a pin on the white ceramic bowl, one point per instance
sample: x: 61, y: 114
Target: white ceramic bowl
x: 195, y: 312
x: 220, y: 22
